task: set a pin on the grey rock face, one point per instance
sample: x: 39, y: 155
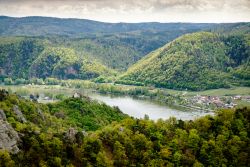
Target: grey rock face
x: 2, y: 115
x: 70, y: 134
x: 19, y: 114
x: 84, y: 133
x: 8, y: 136
x: 39, y: 111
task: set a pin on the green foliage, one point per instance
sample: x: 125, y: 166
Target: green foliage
x: 116, y: 46
x: 220, y: 140
x: 196, y: 143
x: 60, y: 62
x: 52, y: 81
x: 47, y: 26
x: 237, y: 48
x: 17, y: 55
x: 8, y: 81
x: 20, y: 81
x: 28, y: 57
x: 86, y: 113
x: 195, y: 61
x: 5, y: 159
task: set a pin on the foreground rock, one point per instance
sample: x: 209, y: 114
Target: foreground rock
x: 19, y: 114
x: 8, y: 136
x: 2, y: 115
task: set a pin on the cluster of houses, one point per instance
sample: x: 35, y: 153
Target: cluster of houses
x: 245, y: 98
x: 213, y: 100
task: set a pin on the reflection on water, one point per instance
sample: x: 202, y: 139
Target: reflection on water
x: 138, y: 108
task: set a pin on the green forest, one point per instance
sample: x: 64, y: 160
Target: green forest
x: 195, y: 61
x: 73, y: 133
x: 217, y: 57
x: 50, y: 67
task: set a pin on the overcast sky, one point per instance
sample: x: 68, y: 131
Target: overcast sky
x: 132, y: 10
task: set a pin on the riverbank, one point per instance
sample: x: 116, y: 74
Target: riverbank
x: 208, y: 100
x: 133, y: 106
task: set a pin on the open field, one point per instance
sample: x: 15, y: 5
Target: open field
x: 223, y: 92
x: 24, y: 89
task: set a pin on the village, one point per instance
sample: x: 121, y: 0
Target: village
x: 217, y: 101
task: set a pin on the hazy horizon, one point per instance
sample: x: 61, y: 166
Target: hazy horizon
x: 123, y: 22
x: 129, y: 11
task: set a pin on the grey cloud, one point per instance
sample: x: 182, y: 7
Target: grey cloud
x: 142, y: 4
x: 129, y: 9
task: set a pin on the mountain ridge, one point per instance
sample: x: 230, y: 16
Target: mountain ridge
x: 73, y: 27
x: 203, y: 58
x: 117, y: 46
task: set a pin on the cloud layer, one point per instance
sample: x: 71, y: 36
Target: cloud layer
x: 133, y: 10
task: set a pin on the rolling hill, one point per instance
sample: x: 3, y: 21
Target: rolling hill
x: 83, y: 49
x: 116, y: 45
x: 196, y: 61
x: 28, y: 57
x: 76, y: 48
x: 47, y: 26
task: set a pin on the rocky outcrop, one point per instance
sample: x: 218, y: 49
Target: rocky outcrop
x: 39, y: 111
x: 74, y: 136
x: 84, y: 133
x: 8, y: 136
x: 19, y: 114
x: 71, y: 135
x: 2, y: 115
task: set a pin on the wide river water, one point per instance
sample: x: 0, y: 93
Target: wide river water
x: 134, y: 107
x: 138, y: 108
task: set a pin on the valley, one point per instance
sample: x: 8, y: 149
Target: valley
x: 204, y: 56
x: 78, y: 92
x: 142, y: 100
x: 134, y: 106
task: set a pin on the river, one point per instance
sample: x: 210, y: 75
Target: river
x: 134, y: 107
x: 138, y: 108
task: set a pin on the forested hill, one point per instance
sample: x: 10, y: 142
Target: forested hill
x: 26, y: 57
x: 114, y: 45
x: 83, y: 49
x: 196, y: 61
x: 40, y: 26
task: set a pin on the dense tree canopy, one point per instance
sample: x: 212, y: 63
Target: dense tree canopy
x: 47, y: 138
x: 195, y: 61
